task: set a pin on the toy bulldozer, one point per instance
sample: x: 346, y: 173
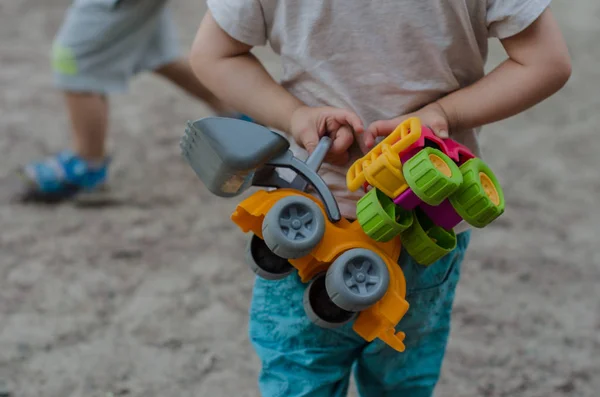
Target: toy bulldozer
x: 351, y: 276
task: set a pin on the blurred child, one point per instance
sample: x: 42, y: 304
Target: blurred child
x: 101, y: 45
x: 354, y: 70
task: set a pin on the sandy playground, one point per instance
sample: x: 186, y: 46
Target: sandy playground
x: 148, y: 295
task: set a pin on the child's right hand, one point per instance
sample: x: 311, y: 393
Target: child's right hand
x: 309, y: 124
x: 432, y: 115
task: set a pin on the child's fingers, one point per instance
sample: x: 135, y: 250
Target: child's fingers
x: 341, y: 117
x: 342, y: 140
x: 339, y: 124
x: 353, y: 121
x: 439, y: 128
x: 309, y: 141
x: 379, y: 128
x: 441, y: 133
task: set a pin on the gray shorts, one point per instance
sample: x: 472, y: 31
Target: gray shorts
x: 102, y: 44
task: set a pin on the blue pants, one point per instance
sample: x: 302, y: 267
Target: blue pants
x: 302, y: 359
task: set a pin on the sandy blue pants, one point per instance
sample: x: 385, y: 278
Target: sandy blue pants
x: 301, y: 359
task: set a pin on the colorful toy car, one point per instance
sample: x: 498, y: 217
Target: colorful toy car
x: 350, y: 275
x: 421, y: 187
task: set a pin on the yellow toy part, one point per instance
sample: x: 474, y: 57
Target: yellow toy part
x: 378, y: 320
x: 381, y: 167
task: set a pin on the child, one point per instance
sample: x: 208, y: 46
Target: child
x: 354, y: 69
x: 101, y: 45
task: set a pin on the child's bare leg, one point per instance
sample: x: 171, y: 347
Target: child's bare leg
x: 180, y: 73
x: 68, y: 173
x: 89, y: 122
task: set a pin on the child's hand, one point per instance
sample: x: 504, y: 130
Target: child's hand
x: 432, y: 115
x: 309, y: 124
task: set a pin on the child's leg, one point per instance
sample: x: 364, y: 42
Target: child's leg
x: 383, y: 372
x: 98, y: 49
x: 88, y: 114
x: 298, y: 357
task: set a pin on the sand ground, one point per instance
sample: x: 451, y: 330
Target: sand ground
x: 148, y: 296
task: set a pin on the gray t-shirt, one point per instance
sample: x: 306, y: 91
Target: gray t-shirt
x: 379, y: 58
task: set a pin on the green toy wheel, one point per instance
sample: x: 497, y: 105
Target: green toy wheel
x: 425, y: 241
x: 479, y: 200
x: 432, y: 175
x: 380, y: 218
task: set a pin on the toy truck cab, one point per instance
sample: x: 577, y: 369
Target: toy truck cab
x: 351, y: 276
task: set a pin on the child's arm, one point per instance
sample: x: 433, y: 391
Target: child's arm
x: 226, y: 66
x: 233, y: 74
x: 538, y: 66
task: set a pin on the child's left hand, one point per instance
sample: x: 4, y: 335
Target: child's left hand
x: 309, y: 124
x: 432, y: 115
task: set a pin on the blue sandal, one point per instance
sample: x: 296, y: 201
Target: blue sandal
x: 61, y: 177
x: 66, y: 175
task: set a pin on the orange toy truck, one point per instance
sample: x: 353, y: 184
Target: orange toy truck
x: 351, y: 276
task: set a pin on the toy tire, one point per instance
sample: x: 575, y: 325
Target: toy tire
x: 293, y: 227
x: 264, y: 263
x: 320, y: 309
x: 357, y: 279
x: 479, y: 200
x: 425, y: 242
x: 379, y: 217
x: 432, y: 175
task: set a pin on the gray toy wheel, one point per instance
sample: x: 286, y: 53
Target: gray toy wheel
x: 293, y: 227
x: 320, y: 309
x: 265, y: 263
x: 357, y: 279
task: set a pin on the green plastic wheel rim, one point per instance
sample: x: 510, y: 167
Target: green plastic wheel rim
x: 428, y: 182
x: 471, y: 201
x: 380, y: 218
x: 425, y: 242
